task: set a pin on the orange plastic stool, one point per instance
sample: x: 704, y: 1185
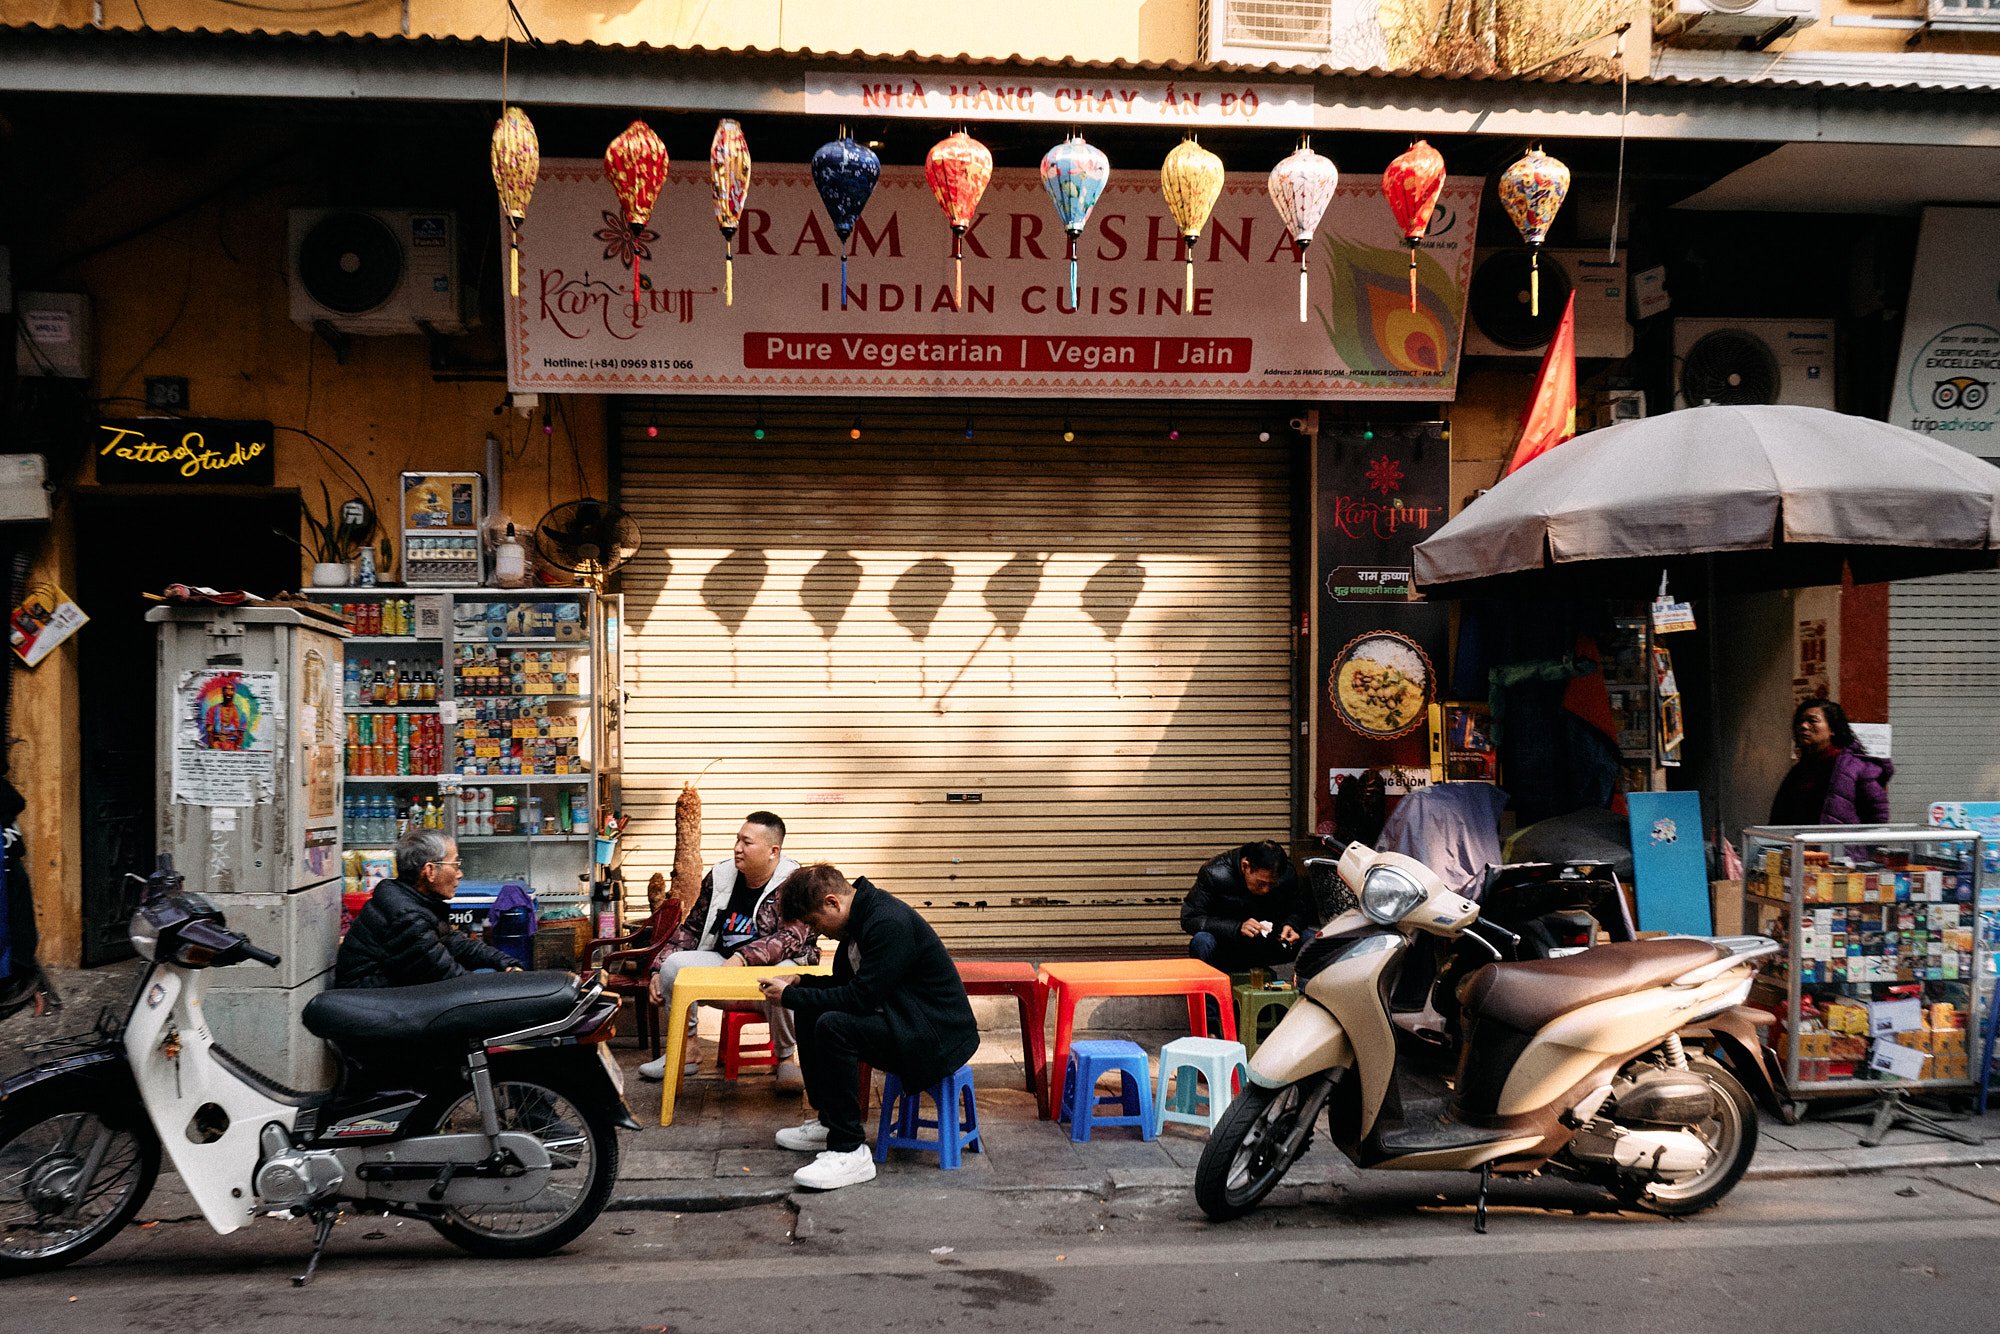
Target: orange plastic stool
x: 738, y: 1054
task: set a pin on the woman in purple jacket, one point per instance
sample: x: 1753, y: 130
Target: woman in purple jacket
x: 1835, y: 780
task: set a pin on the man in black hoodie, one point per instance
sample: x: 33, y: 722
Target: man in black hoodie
x: 894, y: 1001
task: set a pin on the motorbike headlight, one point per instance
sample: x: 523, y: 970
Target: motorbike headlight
x: 145, y: 935
x: 1388, y: 895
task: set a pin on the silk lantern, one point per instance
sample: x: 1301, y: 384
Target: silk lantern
x: 729, y: 175
x: 1074, y: 173
x: 1301, y: 187
x: 636, y: 162
x: 1191, y: 179
x: 1531, y: 191
x: 845, y: 173
x: 517, y: 161
x: 958, y: 169
x: 1412, y: 185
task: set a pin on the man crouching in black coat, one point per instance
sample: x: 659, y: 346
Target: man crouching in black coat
x: 894, y: 1001
x: 403, y: 937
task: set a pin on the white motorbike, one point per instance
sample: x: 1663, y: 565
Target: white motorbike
x: 1613, y: 1065
x: 486, y: 1106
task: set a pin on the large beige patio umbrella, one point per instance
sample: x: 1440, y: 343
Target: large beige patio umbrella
x: 1722, y: 499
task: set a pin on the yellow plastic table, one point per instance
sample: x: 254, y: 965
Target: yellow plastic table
x: 692, y: 985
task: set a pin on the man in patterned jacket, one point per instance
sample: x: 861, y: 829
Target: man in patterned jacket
x: 734, y: 921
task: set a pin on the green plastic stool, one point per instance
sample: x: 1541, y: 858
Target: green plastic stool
x: 1222, y: 1066
x: 1252, y: 1004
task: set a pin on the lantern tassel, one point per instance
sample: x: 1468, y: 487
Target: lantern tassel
x: 635, y: 284
x: 514, y: 255
x: 958, y: 267
x: 1535, y: 283
x: 1187, y: 301
x: 729, y: 280
x: 1072, y: 272
x: 1302, y: 293
x: 1413, y: 277
x: 843, y: 275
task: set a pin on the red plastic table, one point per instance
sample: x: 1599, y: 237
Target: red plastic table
x: 1063, y: 984
x: 984, y: 978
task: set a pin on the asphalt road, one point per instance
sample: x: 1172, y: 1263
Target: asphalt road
x: 1888, y: 1253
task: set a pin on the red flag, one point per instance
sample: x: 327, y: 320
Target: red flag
x: 1551, y: 415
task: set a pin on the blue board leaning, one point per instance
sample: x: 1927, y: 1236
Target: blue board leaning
x: 1670, y: 863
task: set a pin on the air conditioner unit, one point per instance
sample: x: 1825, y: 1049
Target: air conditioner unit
x: 1341, y: 33
x: 1615, y: 406
x: 1753, y: 361
x: 376, y: 271
x: 1735, y: 23
x: 1499, y: 322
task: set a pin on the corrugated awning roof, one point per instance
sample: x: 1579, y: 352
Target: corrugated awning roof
x: 1717, y: 96
x: 1672, y: 67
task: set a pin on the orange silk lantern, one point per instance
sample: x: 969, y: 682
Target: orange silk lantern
x: 958, y: 169
x: 636, y: 162
x: 517, y: 161
x: 729, y: 175
x: 1412, y: 185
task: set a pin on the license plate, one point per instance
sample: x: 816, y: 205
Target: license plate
x: 611, y: 1067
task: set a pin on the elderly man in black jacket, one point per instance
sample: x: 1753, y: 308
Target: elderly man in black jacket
x: 894, y: 1001
x: 403, y: 936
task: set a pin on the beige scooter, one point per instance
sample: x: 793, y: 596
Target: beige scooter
x: 1572, y: 1065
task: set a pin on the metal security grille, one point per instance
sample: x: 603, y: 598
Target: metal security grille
x: 1944, y: 691
x: 1306, y: 24
x: 1026, y: 684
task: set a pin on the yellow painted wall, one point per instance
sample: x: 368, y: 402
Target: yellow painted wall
x: 205, y: 296
x: 1097, y: 30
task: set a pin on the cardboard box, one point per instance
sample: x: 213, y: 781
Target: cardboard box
x: 1727, y: 897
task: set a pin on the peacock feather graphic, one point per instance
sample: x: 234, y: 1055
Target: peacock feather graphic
x: 1368, y: 317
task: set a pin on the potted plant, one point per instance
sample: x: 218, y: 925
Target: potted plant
x: 334, y: 540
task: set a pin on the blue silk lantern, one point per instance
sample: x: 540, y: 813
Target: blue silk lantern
x: 1074, y: 173
x: 845, y: 173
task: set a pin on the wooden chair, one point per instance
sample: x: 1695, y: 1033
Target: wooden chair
x: 629, y: 966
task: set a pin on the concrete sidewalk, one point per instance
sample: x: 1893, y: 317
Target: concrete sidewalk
x: 719, y: 1154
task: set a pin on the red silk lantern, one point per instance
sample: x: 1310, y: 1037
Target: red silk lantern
x: 1412, y: 185
x: 636, y: 162
x: 958, y: 169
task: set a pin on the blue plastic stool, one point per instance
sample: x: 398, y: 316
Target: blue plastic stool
x: 1217, y: 1062
x: 957, y: 1124
x: 1090, y: 1062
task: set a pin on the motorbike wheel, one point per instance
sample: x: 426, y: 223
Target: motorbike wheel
x: 583, y: 1167
x: 1731, y: 1132
x: 42, y: 1155
x: 1248, y: 1155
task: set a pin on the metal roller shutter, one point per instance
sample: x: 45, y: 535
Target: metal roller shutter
x: 1027, y: 685
x: 1944, y: 691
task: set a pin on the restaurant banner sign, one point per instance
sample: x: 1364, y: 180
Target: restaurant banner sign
x: 1063, y: 99
x: 573, y: 328
x: 1380, y: 651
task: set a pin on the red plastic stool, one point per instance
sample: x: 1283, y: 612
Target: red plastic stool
x: 736, y: 1053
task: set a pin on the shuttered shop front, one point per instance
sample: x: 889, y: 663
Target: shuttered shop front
x: 1944, y: 691
x: 1026, y: 684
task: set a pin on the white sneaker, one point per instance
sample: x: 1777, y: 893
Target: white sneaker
x: 809, y: 1137
x: 657, y: 1070
x: 831, y: 1171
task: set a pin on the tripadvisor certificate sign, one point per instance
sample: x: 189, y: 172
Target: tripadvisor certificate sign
x: 1948, y: 376
x: 1132, y: 331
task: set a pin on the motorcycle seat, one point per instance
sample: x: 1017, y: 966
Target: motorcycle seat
x: 1527, y: 995
x: 478, y: 1005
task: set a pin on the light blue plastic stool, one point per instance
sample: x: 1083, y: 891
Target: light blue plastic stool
x: 1217, y: 1061
x: 1090, y: 1062
x: 957, y: 1124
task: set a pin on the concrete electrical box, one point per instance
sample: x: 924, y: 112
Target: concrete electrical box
x: 251, y: 731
